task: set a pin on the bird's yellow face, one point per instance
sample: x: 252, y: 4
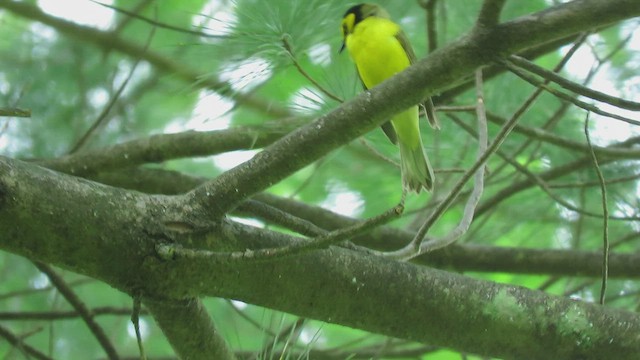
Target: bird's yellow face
x: 356, y: 14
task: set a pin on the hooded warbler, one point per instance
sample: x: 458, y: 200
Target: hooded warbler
x: 380, y: 49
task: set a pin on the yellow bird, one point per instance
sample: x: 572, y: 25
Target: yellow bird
x: 380, y: 50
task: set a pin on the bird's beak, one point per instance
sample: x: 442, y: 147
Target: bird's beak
x: 342, y: 48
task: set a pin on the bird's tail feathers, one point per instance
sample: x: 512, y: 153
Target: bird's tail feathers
x: 417, y: 172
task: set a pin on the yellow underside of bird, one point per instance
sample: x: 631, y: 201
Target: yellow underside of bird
x: 378, y: 55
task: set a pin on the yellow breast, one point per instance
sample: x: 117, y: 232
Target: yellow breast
x: 374, y: 48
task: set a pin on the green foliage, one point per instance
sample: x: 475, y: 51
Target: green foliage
x: 67, y: 82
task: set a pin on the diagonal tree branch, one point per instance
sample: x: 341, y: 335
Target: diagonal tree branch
x: 81, y: 308
x: 18, y: 343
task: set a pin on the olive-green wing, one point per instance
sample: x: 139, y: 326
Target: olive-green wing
x: 427, y: 105
x: 386, y: 127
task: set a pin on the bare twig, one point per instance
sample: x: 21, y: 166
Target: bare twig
x: 63, y: 315
x: 584, y: 184
x: 553, y: 120
x: 107, y: 40
x: 377, y: 153
x: 574, y: 87
x: 136, y: 9
x: 605, y: 211
x: 16, y: 341
x: 544, y: 185
x: 537, y: 83
x: 250, y: 320
x: 81, y: 308
x: 288, y: 49
x: 135, y: 319
x: 156, y: 23
x: 289, y: 333
x: 102, y: 119
x: 31, y: 291
x: 551, y: 138
x: 279, y: 217
x: 170, y: 251
x: 15, y: 112
x: 417, y: 245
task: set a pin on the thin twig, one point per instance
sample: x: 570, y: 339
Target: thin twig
x: 543, y: 184
x: 605, y: 211
x: 156, y: 23
x: 135, y: 319
x: 80, y: 307
x: 17, y: 342
x: 103, y: 117
x: 584, y: 184
x: 135, y: 10
x: 62, y: 315
x: 15, y: 112
x: 287, y: 47
x: 539, y: 84
x: 553, y: 120
x: 417, y: 245
x: 551, y: 138
x: 414, y: 246
x: 248, y: 319
x: 574, y: 87
x: 377, y: 153
x: 279, y: 217
x: 32, y: 291
x: 289, y: 333
x: 170, y: 251
x: 461, y: 108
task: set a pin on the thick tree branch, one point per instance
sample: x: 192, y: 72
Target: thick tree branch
x: 43, y: 215
x: 460, y: 258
